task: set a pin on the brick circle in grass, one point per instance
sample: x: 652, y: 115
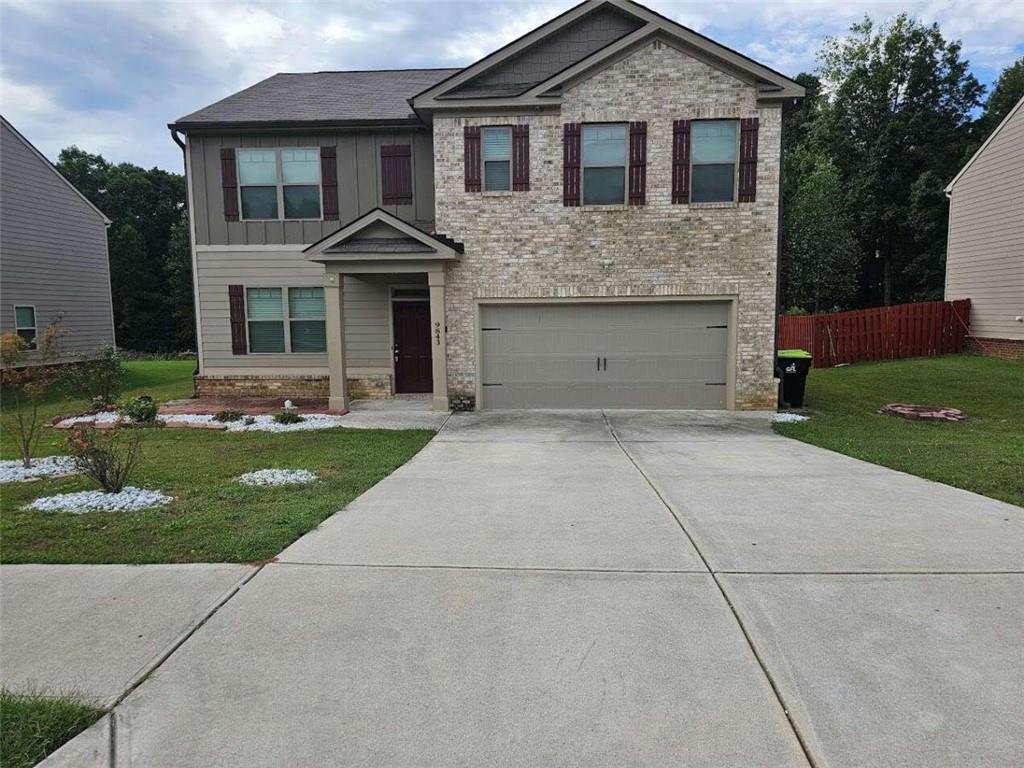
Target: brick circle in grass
x: 922, y: 412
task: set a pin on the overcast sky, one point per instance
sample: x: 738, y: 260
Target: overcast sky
x: 108, y: 76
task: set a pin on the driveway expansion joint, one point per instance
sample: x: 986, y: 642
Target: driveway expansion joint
x: 507, y: 568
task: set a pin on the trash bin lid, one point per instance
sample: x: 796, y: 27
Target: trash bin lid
x: 794, y: 353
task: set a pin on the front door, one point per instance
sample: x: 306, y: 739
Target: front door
x: 413, y: 370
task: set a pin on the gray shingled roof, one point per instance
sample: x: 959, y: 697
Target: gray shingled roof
x: 322, y: 97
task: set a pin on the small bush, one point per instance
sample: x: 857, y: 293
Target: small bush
x: 100, y: 380
x: 228, y: 415
x: 249, y: 421
x: 141, y: 409
x: 107, y: 457
x: 99, y: 404
x: 288, y: 417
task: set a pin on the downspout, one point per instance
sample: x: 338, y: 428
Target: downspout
x: 192, y: 247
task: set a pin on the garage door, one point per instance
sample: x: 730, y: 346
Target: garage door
x: 641, y: 355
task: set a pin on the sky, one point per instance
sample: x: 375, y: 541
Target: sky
x: 108, y: 75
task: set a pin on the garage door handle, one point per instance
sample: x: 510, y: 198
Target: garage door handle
x: 599, y: 363
x: 606, y: 363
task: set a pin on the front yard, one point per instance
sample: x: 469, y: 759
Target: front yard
x: 984, y: 454
x: 212, y: 518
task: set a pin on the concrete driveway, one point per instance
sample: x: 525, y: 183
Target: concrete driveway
x: 611, y: 589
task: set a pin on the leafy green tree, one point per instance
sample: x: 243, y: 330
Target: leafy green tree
x: 1008, y: 90
x: 179, y: 277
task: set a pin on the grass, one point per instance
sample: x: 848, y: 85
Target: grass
x: 32, y: 725
x: 984, y: 454
x: 213, y: 518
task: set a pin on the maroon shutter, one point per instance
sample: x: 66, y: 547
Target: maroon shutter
x: 680, y: 161
x: 229, y: 183
x: 396, y: 174
x: 471, y: 136
x: 637, y: 163
x: 329, y: 180
x: 521, y: 158
x: 236, y: 306
x: 748, y: 160
x: 571, y: 164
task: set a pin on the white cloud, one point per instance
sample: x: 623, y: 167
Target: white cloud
x: 19, y: 100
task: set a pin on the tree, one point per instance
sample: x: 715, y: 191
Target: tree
x: 899, y: 106
x: 179, y: 276
x: 1008, y: 90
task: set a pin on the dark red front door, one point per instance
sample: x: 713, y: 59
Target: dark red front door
x: 412, y: 347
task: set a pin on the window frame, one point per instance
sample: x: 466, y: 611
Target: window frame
x: 286, y: 319
x: 280, y: 183
x: 483, y: 158
x: 624, y: 166
x: 735, y: 162
x: 34, y: 328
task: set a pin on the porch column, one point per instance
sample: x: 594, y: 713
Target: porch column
x: 438, y: 349
x: 334, y: 317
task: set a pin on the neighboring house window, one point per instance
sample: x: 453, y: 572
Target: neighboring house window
x: 304, y: 315
x: 497, y: 153
x: 713, y: 161
x: 25, y: 325
x: 275, y: 180
x: 604, y: 164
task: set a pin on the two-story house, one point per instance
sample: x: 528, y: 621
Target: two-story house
x: 586, y: 218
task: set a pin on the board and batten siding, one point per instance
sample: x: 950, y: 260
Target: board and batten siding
x: 359, y: 184
x: 367, y: 318
x: 985, y: 256
x: 53, y: 251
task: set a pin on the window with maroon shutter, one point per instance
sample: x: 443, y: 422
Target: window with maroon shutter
x: 681, y: 161
x: 471, y: 157
x: 571, y: 164
x: 748, y: 160
x: 229, y: 183
x: 637, y: 163
x: 396, y: 174
x: 521, y: 158
x: 329, y: 180
x: 236, y: 308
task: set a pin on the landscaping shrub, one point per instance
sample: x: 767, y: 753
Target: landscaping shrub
x: 106, y: 456
x: 249, y: 421
x: 228, y: 415
x: 288, y: 417
x: 141, y: 410
x: 99, y: 380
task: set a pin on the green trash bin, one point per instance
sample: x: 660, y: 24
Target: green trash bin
x: 793, y: 365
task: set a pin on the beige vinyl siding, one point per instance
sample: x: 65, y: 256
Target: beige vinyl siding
x: 358, y: 158
x: 985, y: 258
x: 53, y: 251
x: 367, y: 308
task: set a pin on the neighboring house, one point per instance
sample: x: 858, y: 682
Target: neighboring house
x: 588, y: 217
x: 985, y: 251
x: 53, y: 253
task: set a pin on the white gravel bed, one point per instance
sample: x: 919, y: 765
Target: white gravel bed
x: 49, y: 466
x: 789, y: 418
x: 128, y: 499
x: 263, y: 423
x: 277, y: 477
x: 103, y: 417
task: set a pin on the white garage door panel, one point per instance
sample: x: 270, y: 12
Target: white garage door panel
x: 640, y: 355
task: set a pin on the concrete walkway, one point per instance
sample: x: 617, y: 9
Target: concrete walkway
x: 589, y: 589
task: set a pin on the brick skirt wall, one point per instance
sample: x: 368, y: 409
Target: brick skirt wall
x: 359, y: 388
x: 1008, y: 349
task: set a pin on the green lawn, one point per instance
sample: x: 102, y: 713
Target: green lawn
x: 32, y: 726
x: 213, y: 518
x: 984, y: 454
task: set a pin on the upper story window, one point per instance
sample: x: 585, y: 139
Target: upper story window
x: 497, y: 151
x: 268, y: 314
x: 272, y: 181
x: 604, y: 164
x: 25, y: 325
x: 713, y: 161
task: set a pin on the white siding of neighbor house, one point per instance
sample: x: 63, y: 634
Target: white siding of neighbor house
x: 53, y: 251
x: 985, y: 258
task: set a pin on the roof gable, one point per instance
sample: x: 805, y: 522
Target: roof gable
x: 379, y: 235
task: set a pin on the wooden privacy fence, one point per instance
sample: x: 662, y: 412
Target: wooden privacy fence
x: 882, y: 333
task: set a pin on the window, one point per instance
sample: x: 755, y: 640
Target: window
x: 307, y: 326
x: 713, y: 161
x: 497, y: 159
x: 272, y: 180
x: 604, y: 164
x: 25, y: 325
x: 305, y: 318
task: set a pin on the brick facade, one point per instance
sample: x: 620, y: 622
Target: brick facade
x: 1008, y: 349
x: 527, y: 245
x: 359, y: 388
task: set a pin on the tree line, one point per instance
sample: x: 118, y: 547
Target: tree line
x: 891, y: 114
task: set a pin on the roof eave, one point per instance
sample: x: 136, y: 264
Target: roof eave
x: 247, y: 125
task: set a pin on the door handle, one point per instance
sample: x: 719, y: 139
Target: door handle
x: 394, y: 351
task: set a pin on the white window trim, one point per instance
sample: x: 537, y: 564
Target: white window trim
x: 735, y: 164
x: 33, y: 328
x: 624, y: 166
x: 286, y: 319
x: 483, y: 159
x: 280, y: 185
